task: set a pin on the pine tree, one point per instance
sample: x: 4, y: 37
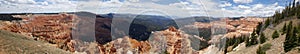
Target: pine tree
x: 247, y: 41
x: 267, y: 23
x: 258, y: 28
x: 298, y: 35
x: 253, y: 38
x: 295, y: 33
x: 283, y: 30
x: 276, y: 17
x: 291, y: 39
x: 295, y: 30
x: 262, y: 38
x: 260, y: 50
x: 294, y: 3
x: 275, y: 34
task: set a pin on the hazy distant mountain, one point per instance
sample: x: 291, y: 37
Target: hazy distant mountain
x: 142, y: 25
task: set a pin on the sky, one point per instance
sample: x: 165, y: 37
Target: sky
x: 179, y: 8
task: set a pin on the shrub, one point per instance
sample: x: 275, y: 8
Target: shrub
x: 275, y: 34
x: 260, y: 51
x: 262, y: 38
x: 266, y: 46
x: 263, y: 49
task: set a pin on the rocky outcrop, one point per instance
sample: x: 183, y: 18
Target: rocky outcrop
x: 125, y: 45
x: 55, y: 29
x: 243, y: 26
x: 237, y: 28
x: 171, y: 41
x: 174, y: 41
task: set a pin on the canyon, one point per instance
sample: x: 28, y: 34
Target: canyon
x: 57, y: 29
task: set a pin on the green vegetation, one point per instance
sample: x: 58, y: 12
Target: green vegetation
x: 283, y: 30
x: 255, y: 34
x: 263, y: 49
x: 252, y: 40
x: 258, y: 28
x: 8, y: 17
x: 291, y: 38
x: 235, y: 41
x: 298, y: 35
x: 165, y: 52
x: 292, y: 10
x: 267, y: 22
x: 262, y: 38
x: 260, y: 51
x: 275, y: 34
x: 292, y: 32
x: 266, y: 46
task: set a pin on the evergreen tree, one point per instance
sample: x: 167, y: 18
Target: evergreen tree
x: 295, y: 30
x: 258, y: 28
x: 283, y: 30
x: 247, y: 41
x: 298, y: 35
x: 291, y: 39
x: 267, y: 23
x: 294, y: 3
x: 298, y: 38
x: 275, y: 34
x: 253, y: 33
x: 253, y: 38
x: 260, y: 50
x: 295, y: 36
x: 262, y: 38
x: 276, y: 17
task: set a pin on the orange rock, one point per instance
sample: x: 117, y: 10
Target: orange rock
x: 52, y: 28
x: 172, y: 28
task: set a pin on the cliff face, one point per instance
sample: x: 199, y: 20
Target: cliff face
x: 244, y: 26
x: 175, y: 41
x: 171, y: 41
x: 55, y: 29
x: 125, y: 45
x: 237, y: 27
x: 197, y: 38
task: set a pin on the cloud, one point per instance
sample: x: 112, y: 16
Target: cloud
x: 22, y: 1
x: 242, y: 1
x: 29, y: 6
x: 255, y: 10
x: 181, y: 8
x: 226, y: 4
x: 134, y: 0
x: 243, y: 7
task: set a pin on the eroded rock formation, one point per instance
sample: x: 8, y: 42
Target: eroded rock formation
x: 125, y: 45
x: 237, y: 28
x: 54, y: 28
x: 57, y: 29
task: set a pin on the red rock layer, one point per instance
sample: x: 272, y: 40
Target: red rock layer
x: 243, y: 26
x: 54, y: 28
x: 125, y: 45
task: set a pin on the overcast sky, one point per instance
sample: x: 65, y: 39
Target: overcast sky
x: 181, y: 8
